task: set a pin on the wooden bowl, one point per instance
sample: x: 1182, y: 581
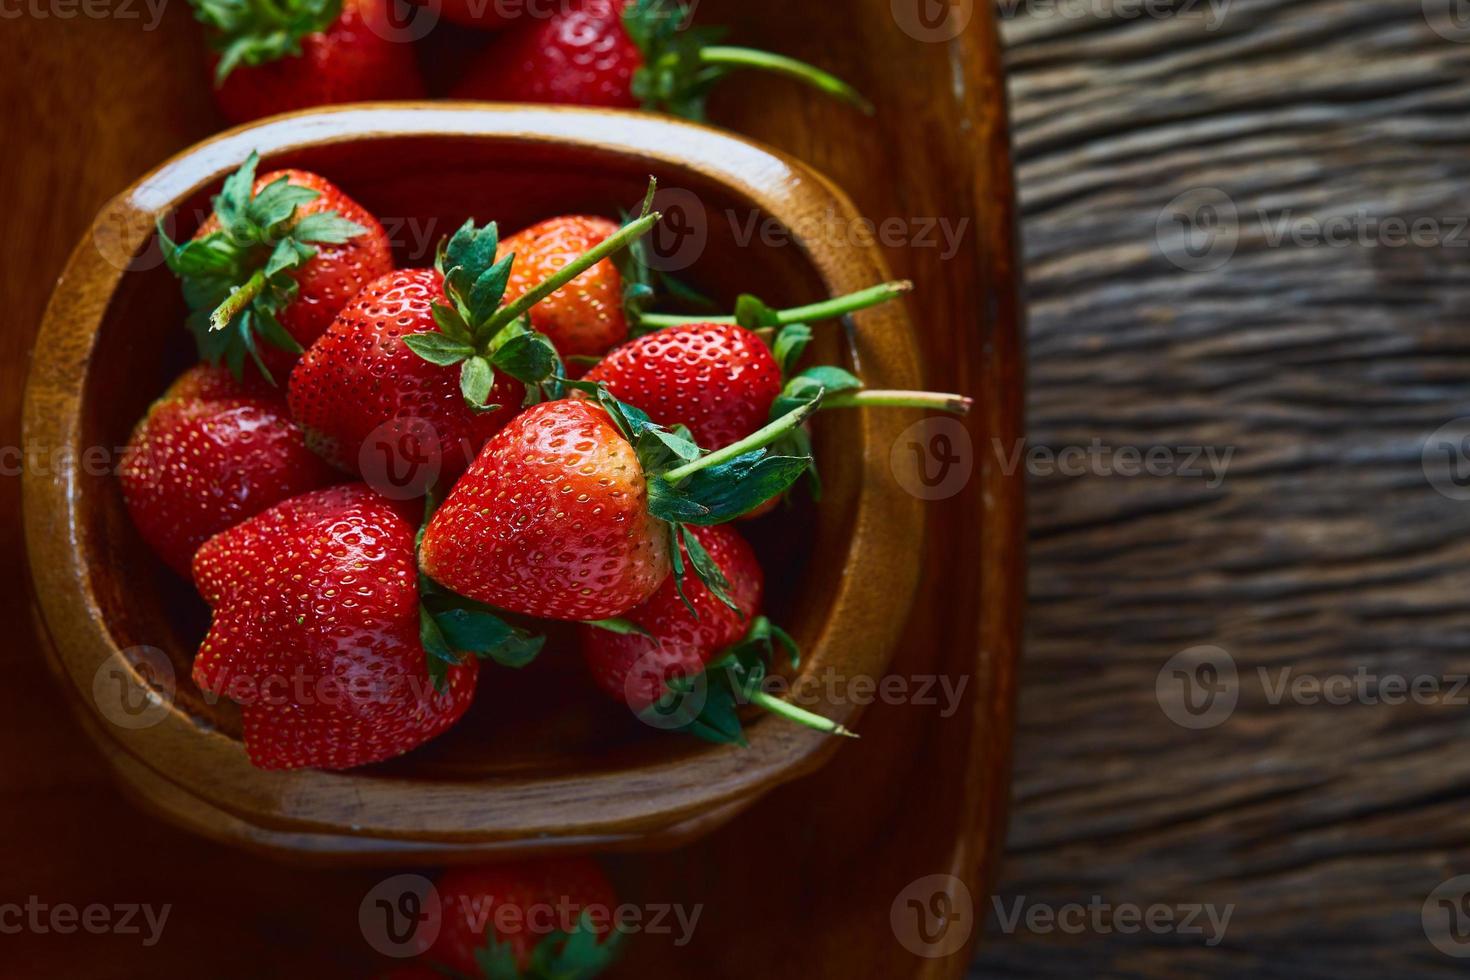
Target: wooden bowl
x: 542, y: 762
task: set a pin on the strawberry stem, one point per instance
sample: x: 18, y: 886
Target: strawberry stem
x: 799, y: 715
x: 731, y: 57
x: 825, y: 310
x: 942, y: 401
x: 758, y: 439
x: 237, y: 301
x: 625, y: 235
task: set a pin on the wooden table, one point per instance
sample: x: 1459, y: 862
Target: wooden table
x: 1324, y: 367
x: 1323, y: 549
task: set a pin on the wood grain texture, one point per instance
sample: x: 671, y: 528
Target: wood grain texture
x: 1324, y: 549
x: 799, y: 887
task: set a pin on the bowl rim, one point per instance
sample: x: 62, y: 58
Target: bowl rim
x: 611, y: 802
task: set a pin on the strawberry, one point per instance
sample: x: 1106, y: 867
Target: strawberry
x: 584, y: 317
x: 623, y: 54
x: 535, y: 919
x: 677, y: 634
x: 653, y: 658
x: 434, y: 346
x: 211, y: 452
x: 319, y: 633
x: 273, y: 56
x: 724, y: 380
x: 571, y: 510
x: 275, y: 260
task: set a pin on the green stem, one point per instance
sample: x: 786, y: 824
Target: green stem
x: 940, y: 400
x: 827, y: 309
x: 237, y: 301
x: 731, y: 57
x: 758, y: 439
x: 625, y: 235
x: 799, y: 715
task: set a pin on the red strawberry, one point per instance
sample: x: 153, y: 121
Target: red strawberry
x: 432, y: 353
x: 679, y: 636
x: 316, y: 632
x: 713, y: 650
x: 717, y: 378
x: 568, y: 511
x: 274, y: 262
x: 551, y: 520
x: 359, y: 379
x: 724, y: 381
x: 548, y: 918
x: 622, y: 53
x: 283, y: 55
x: 211, y: 452
x: 584, y: 317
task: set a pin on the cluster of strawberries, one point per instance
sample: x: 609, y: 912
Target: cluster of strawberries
x: 349, y: 618
x: 271, y: 56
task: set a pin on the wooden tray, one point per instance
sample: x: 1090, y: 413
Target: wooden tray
x: 804, y: 883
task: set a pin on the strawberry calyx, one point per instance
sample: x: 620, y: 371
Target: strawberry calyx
x: 734, y: 679
x: 579, y: 954
x: 681, y: 64
x: 476, y: 332
x: 451, y: 625
x: 688, y: 485
x: 237, y: 279
x: 254, y: 32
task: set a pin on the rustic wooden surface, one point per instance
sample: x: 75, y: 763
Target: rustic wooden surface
x: 1324, y: 549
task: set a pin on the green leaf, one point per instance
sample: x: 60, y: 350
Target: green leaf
x: 436, y: 348
x: 724, y: 492
x: 476, y: 378
x: 488, y: 290
x: 438, y: 653
x: 451, y: 324
x: 810, y: 383
x: 484, y: 634
x: 623, y: 627
x: 708, y: 571
x: 327, y: 228
x: 790, y: 343
x: 527, y: 357
x: 753, y: 314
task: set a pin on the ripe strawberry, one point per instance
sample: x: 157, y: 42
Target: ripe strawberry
x: 719, y: 379
x: 211, y: 452
x: 273, y: 56
x: 584, y: 317
x: 724, y: 380
x: 275, y: 261
x: 623, y: 54
x: 661, y: 650
x: 316, y: 633
x: 678, y: 633
x: 390, y: 357
x: 570, y: 511
x: 542, y: 919
x: 338, y: 653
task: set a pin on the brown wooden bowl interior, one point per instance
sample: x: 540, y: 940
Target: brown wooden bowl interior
x: 541, y: 753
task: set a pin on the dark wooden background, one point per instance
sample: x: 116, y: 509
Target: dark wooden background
x: 1324, y: 549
